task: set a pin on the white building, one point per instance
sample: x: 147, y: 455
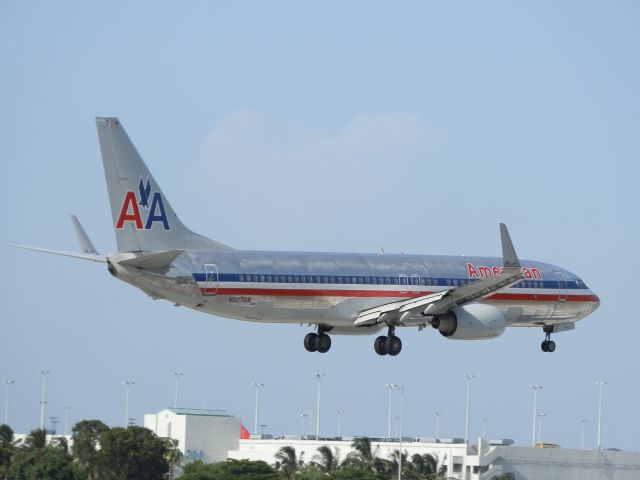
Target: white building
x: 213, y: 435
x: 205, y: 435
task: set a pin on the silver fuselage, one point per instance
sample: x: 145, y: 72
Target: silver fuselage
x: 332, y: 288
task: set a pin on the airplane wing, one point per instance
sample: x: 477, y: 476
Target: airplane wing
x: 413, y: 310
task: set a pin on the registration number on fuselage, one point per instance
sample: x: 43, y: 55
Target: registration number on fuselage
x: 241, y: 300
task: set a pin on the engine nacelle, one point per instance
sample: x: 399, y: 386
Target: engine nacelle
x: 471, y: 322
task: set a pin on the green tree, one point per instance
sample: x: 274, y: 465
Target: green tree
x: 353, y: 473
x: 287, y: 461
x: 173, y: 456
x: 393, y: 464
x: 363, y: 456
x: 504, y: 476
x: 36, y: 440
x: 229, y: 470
x: 7, y: 447
x: 327, y: 460
x: 425, y: 467
x: 132, y: 453
x: 49, y: 462
x: 86, y: 439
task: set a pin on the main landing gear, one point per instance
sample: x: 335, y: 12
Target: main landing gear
x: 317, y: 342
x: 548, y: 345
x: 388, y: 345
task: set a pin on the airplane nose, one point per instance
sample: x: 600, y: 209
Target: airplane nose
x: 596, y: 302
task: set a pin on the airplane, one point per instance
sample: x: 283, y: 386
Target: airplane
x: 464, y: 298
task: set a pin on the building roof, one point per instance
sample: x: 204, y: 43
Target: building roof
x: 199, y: 411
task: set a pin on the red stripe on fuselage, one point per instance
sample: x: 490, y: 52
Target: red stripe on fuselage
x: 279, y: 292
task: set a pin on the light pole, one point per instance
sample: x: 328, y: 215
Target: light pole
x: 319, y: 377
x: 583, y: 422
x: 175, y: 399
x: 7, y: 384
x: 302, y: 417
x: 540, y: 417
x: 600, y: 385
x: 127, y: 384
x: 438, y: 415
x: 401, y: 390
x: 484, y: 426
x: 43, y: 401
x: 54, y: 422
x: 391, y: 387
x: 340, y: 413
x: 468, y: 376
x: 535, y: 411
x: 66, y: 420
x: 257, y: 386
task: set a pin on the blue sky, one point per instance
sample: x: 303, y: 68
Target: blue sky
x: 325, y: 126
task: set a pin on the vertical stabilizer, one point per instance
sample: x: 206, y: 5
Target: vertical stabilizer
x: 142, y: 216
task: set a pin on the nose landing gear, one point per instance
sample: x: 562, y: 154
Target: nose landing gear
x: 548, y: 345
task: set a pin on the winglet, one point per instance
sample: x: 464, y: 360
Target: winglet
x: 510, y: 259
x: 83, y: 238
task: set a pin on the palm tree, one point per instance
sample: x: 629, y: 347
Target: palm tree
x: 364, y: 456
x: 426, y: 467
x: 60, y: 443
x: 288, y: 462
x: 173, y: 455
x: 394, y: 463
x: 326, y: 460
x: 36, y: 440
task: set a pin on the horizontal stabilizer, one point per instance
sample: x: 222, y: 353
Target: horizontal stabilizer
x: 153, y: 260
x: 82, y: 256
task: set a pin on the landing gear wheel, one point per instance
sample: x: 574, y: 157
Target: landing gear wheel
x: 323, y: 343
x: 310, y: 342
x: 380, y: 345
x: 548, y: 345
x: 393, y: 345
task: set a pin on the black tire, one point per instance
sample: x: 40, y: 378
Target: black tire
x: 380, y: 345
x: 544, y: 346
x: 551, y: 346
x: 310, y: 342
x: 324, y: 343
x: 394, y: 345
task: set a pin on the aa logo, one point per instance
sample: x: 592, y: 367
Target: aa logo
x: 146, y: 205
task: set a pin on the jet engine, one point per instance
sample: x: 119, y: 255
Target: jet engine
x: 470, y: 322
